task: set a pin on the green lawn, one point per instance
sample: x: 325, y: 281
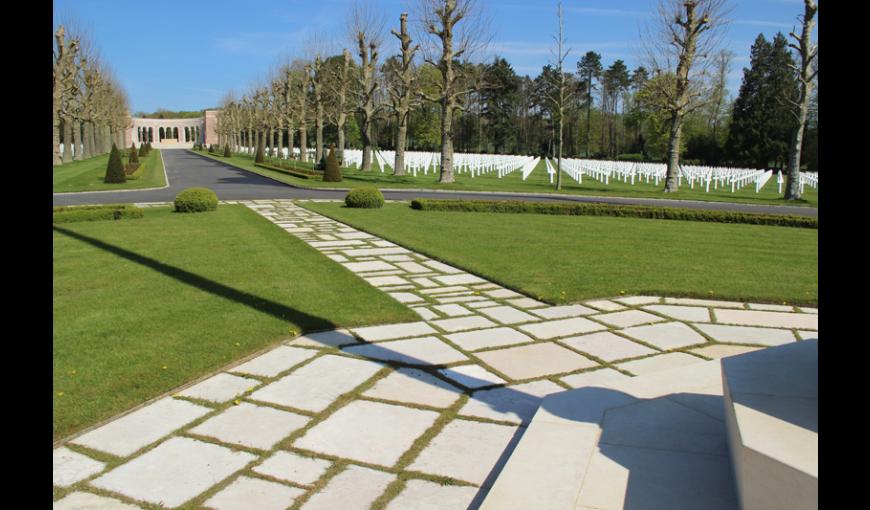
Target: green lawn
x: 143, y: 306
x: 563, y: 259
x: 88, y: 174
x: 537, y: 182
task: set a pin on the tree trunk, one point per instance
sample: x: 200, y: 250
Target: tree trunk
x: 340, y: 150
x: 97, y: 138
x: 401, y: 135
x: 55, y: 124
x: 674, y: 154
x: 77, y: 140
x: 107, y: 138
x: 318, y: 133
x: 793, y: 181
x: 290, y: 139
x: 261, y: 135
x: 303, y: 143
x: 67, y: 141
x: 446, y: 141
x: 367, y: 146
x: 87, y: 144
x: 281, y: 139
x: 807, y: 53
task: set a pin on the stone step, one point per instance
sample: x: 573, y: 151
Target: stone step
x: 772, y: 416
x: 652, y: 441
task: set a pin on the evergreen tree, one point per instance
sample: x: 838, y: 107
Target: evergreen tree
x: 134, y: 156
x: 227, y: 152
x: 500, y: 100
x: 615, y: 82
x: 332, y: 172
x: 143, y: 149
x: 589, y: 68
x: 762, y: 124
x: 115, y: 168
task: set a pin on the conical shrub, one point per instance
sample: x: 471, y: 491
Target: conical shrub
x: 143, y: 150
x: 332, y: 172
x: 227, y: 152
x: 115, y: 169
x: 134, y: 155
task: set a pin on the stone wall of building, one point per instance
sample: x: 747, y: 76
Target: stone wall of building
x: 211, y: 136
x: 196, y: 132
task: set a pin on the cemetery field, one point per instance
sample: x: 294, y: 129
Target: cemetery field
x: 143, y: 306
x: 564, y: 259
x: 537, y: 182
x: 88, y: 174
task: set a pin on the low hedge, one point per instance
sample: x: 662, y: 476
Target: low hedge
x: 364, y: 198
x: 196, y: 200
x: 627, y: 211
x: 291, y: 170
x: 72, y: 214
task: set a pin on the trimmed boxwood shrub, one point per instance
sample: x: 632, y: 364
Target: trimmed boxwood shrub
x: 627, y: 211
x: 332, y: 173
x: 115, y: 169
x: 196, y: 200
x: 365, y: 198
x: 72, y: 214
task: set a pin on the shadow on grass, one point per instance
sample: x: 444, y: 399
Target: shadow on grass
x: 305, y: 321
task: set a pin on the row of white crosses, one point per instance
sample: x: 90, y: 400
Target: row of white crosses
x: 473, y: 165
x: 284, y: 154
x: 603, y: 171
x: 628, y: 172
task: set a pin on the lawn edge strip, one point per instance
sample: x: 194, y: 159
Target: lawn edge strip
x: 616, y: 210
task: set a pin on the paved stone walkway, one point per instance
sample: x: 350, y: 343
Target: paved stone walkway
x: 415, y: 415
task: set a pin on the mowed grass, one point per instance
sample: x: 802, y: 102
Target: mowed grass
x: 88, y: 174
x: 537, y: 182
x: 564, y: 259
x: 143, y: 306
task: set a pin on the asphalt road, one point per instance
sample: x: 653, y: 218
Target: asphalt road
x: 185, y: 169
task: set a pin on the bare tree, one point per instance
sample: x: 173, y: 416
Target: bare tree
x: 557, y: 92
x: 403, y: 90
x: 807, y: 72
x: 299, y: 76
x: 721, y: 68
x: 456, y: 30
x: 63, y: 87
x: 367, y: 28
x: 338, y: 86
x: 288, y: 113
x: 683, y: 38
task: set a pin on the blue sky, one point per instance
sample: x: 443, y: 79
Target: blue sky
x: 184, y: 55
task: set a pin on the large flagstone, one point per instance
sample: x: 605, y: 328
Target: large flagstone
x: 370, y: 432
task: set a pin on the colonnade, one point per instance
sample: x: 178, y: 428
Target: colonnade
x: 186, y: 134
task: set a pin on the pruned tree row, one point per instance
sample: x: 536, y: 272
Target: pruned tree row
x: 90, y: 110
